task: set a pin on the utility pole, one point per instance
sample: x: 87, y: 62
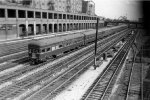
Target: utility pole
x: 95, y: 56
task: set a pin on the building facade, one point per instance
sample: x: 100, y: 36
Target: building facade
x: 72, y: 6
x: 88, y: 7
x: 21, y: 19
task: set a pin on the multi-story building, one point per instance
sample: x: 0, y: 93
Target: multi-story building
x: 60, y: 5
x: 76, y: 6
x: 88, y: 7
x: 72, y: 6
x: 29, y: 18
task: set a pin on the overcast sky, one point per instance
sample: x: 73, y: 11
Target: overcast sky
x: 116, y: 8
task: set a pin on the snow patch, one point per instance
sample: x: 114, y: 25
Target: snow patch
x: 3, y: 63
x: 27, y: 92
x: 77, y: 89
x: 5, y: 84
x: 11, y: 69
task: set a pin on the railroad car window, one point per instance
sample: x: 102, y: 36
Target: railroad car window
x: 48, y: 49
x: 2, y: 13
x: 60, y: 46
x: 57, y: 47
x: 53, y: 48
x: 43, y: 50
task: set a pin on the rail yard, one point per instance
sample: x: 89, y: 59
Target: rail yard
x: 63, y: 50
x: 21, y: 80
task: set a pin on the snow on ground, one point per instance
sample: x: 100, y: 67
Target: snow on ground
x: 3, y: 63
x: 5, y: 84
x: 7, y: 71
x: 50, y: 64
x: 43, y: 67
x: 25, y: 93
x: 77, y: 89
x: 11, y: 55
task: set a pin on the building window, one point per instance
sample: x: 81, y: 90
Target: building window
x: 11, y: 13
x: 55, y: 16
x: 79, y: 17
x: 37, y: 14
x: 68, y: 16
x: 21, y: 14
x: 50, y: 16
x: 64, y: 16
x: 2, y: 13
x: 60, y: 16
x: 74, y: 17
x: 44, y: 15
x: 30, y: 14
x: 43, y: 50
x: 71, y: 16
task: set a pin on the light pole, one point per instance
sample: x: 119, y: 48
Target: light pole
x: 95, y: 55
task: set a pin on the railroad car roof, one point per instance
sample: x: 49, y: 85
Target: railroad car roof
x: 68, y: 35
x: 56, y: 39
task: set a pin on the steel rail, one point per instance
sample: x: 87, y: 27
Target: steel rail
x: 130, y: 77
x: 46, y: 88
x: 19, y: 72
x: 130, y: 44
x: 13, y: 92
x: 100, y: 78
x: 93, y: 87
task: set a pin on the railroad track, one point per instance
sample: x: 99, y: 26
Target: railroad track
x: 12, y: 63
x: 101, y: 87
x: 54, y: 87
x: 129, y: 81
x: 28, y: 68
x: 21, y: 86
